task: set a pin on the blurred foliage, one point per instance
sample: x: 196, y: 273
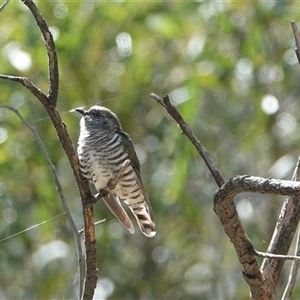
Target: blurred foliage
x: 231, y: 69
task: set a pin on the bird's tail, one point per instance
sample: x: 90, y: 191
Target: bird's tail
x: 113, y: 203
x: 146, y: 224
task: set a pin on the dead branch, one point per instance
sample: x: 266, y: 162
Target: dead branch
x: 295, y: 266
x: 51, y: 52
x: 49, y: 102
x: 288, y: 219
x: 174, y: 113
x: 283, y: 234
x: 258, y: 280
x: 226, y: 211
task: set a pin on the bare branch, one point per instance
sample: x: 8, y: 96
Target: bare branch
x: 59, y: 191
x: 294, y: 269
x: 226, y: 211
x: 90, y: 281
x: 49, y: 101
x: 51, y: 51
x: 283, y: 234
x: 29, y: 85
x: 174, y: 113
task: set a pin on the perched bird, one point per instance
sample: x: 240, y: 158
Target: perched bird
x: 107, y: 159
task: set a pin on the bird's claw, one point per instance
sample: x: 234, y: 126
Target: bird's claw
x: 103, y: 192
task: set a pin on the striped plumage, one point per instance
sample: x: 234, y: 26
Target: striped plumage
x: 103, y: 148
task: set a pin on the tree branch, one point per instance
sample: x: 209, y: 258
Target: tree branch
x: 51, y: 51
x: 186, y: 130
x: 283, y: 234
x: 226, y: 211
x: 288, y: 219
x: 60, y: 193
x: 29, y: 85
x: 295, y: 266
x: 263, y: 284
x: 49, y: 102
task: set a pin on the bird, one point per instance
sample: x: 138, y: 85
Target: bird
x: 107, y: 158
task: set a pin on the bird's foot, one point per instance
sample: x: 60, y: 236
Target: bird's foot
x: 103, y: 192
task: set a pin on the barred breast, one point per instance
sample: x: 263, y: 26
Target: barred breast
x: 95, y: 159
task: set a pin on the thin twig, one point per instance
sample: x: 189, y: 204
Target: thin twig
x: 174, y: 113
x: 31, y: 227
x: 58, y: 188
x: 277, y: 256
x: 293, y: 273
x: 95, y: 224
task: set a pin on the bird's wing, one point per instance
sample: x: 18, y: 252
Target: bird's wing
x: 114, y: 205
x: 146, y: 197
x: 129, y: 149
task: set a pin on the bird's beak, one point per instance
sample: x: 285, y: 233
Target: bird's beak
x: 81, y: 111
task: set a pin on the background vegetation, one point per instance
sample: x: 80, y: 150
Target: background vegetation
x: 231, y: 69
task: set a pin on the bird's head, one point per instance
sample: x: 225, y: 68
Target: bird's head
x: 99, y: 118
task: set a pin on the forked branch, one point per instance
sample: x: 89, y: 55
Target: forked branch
x: 262, y: 284
x: 49, y: 102
x: 226, y: 211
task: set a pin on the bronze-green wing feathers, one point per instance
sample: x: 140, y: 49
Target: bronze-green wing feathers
x: 129, y: 149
